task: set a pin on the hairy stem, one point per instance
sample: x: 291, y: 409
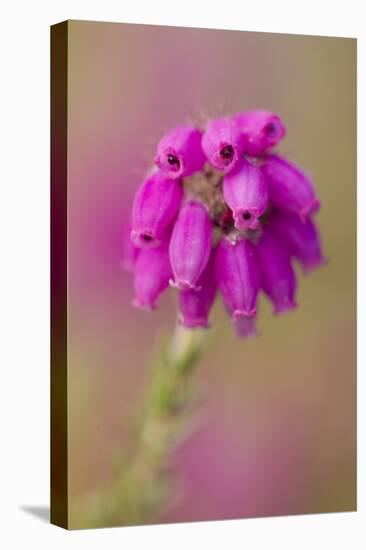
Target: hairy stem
x: 144, y: 483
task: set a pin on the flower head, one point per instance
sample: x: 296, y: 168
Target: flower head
x: 223, y: 215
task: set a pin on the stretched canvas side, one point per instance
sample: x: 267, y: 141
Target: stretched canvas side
x: 59, y: 477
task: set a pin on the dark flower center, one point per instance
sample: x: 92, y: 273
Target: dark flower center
x: 246, y: 215
x: 146, y: 238
x: 270, y: 129
x: 173, y: 161
x: 227, y: 154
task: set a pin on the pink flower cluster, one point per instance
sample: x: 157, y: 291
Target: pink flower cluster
x: 220, y: 211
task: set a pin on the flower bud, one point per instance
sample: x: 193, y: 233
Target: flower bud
x: 301, y: 238
x: 152, y: 274
x: 289, y: 188
x: 261, y: 129
x: 190, y: 245
x: 195, y: 305
x: 245, y: 192
x: 278, y: 278
x: 154, y: 208
x: 222, y: 143
x: 237, y: 276
x: 179, y: 153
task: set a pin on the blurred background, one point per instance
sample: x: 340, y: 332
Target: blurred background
x: 276, y: 429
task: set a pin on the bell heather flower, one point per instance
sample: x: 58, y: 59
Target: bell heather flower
x: 237, y: 276
x: 301, y: 237
x: 222, y: 215
x: 179, y: 152
x: 278, y: 278
x: 261, y: 129
x: 190, y: 245
x: 195, y: 305
x: 151, y: 275
x: 154, y: 208
x: 222, y: 143
x: 245, y: 192
x: 289, y: 188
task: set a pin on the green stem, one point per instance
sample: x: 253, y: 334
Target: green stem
x: 144, y: 483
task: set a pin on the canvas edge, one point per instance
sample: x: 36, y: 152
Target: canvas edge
x: 58, y: 313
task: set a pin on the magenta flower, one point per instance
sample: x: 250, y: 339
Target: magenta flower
x: 179, y: 153
x: 278, y: 278
x: 245, y: 192
x: 190, y: 245
x: 151, y: 275
x: 232, y: 227
x: 301, y: 237
x: 195, y: 305
x: 223, y: 143
x: 237, y: 276
x: 261, y: 129
x: 289, y: 188
x: 155, y: 206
